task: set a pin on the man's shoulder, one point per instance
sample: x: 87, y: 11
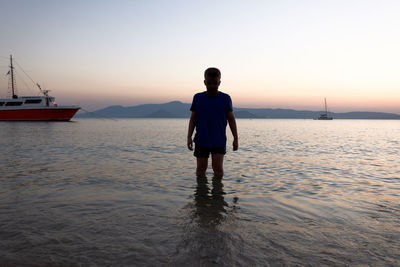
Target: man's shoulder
x: 199, y: 94
x: 224, y: 95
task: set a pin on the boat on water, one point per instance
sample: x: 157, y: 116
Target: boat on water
x: 325, y: 116
x: 32, y: 108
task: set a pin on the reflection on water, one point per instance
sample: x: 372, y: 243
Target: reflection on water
x: 211, y: 236
x: 210, y: 206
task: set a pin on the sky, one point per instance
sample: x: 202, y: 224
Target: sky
x: 272, y: 54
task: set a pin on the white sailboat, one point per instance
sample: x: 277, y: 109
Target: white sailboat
x: 325, y: 116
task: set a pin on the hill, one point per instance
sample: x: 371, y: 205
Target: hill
x: 177, y: 109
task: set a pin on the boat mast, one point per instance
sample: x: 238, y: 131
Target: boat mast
x: 326, y: 108
x: 12, y: 78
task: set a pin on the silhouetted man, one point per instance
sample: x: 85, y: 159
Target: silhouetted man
x: 211, y: 110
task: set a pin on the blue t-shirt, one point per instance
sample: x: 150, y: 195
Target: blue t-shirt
x: 210, y: 120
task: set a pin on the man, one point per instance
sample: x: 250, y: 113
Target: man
x: 211, y: 110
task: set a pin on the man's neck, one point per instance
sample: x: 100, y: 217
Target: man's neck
x: 212, y: 92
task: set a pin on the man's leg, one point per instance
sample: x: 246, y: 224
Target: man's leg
x: 201, y: 167
x: 217, y: 164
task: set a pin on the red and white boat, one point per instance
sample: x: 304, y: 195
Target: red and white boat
x: 33, y: 108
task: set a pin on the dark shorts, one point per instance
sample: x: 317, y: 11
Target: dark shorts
x: 204, y: 152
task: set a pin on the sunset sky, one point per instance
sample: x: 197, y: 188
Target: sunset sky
x: 275, y: 54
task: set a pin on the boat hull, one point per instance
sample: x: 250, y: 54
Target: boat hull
x: 38, y: 114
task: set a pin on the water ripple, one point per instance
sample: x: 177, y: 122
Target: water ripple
x: 124, y: 193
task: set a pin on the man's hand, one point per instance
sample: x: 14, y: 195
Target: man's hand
x: 235, y: 144
x: 190, y: 130
x: 232, y: 125
x: 190, y: 143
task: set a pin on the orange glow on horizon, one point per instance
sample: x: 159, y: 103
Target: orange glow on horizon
x: 316, y: 103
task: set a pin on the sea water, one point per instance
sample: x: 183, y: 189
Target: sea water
x: 94, y: 192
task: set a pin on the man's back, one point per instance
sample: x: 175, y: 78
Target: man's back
x: 211, y: 118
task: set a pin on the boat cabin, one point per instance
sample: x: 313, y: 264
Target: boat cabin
x: 31, y: 101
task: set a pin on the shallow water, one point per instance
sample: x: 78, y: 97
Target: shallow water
x: 101, y: 192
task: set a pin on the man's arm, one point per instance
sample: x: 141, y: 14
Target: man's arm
x: 232, y: 125
x: 191, y: 130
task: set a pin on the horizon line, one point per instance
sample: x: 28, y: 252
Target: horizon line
x: 255, y: 108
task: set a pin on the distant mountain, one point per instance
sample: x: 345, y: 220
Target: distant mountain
x: 177, y: 109
x: 161, y: 114
x: 245, y: 114
x: 174, y: 109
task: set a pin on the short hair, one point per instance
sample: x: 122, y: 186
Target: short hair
x: 212, y: 73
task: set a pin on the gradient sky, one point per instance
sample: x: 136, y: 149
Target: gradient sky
x: 286, y: 54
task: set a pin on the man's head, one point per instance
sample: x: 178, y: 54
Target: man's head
x: 212, y: 79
